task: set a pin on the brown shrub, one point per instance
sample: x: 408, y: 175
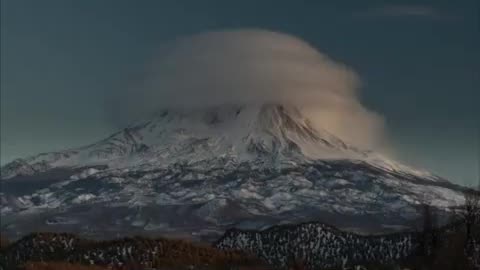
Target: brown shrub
x: 59, y: 266
x: 179, y: 253
x: 170, y: 254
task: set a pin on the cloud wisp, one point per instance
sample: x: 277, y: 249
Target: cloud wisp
x: 252, y: 67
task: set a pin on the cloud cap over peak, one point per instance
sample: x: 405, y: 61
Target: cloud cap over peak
x: 253, y: 67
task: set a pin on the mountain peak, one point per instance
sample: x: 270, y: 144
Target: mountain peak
x: 275, y: 119
x: 273, y: 129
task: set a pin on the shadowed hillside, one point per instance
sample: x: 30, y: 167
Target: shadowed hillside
x: 298, y: 247
x: 136, y: 253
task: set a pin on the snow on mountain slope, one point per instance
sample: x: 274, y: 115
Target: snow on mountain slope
x: 199, y: 172
x: 271, y: 135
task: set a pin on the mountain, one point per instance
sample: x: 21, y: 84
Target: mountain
x: 197, y: 172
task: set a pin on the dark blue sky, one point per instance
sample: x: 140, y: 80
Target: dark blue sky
x: 419, y: 63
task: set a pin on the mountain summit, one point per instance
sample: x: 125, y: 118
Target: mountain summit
x: 199, y: 171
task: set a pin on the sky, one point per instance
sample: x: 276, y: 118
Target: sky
x: 418, y: 62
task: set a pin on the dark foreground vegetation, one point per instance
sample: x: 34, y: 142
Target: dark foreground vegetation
x: 48, y: 251
x: 58, y: 250
x: 455, y: 246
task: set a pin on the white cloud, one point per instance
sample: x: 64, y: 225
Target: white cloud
x: 253, y: 67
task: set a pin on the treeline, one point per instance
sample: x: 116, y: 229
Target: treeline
x: 132, y: 254
x: 129, y: 253
x: 69, y: 266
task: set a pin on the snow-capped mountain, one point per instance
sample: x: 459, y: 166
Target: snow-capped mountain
x: 268, y: 135
x: 201, y: 171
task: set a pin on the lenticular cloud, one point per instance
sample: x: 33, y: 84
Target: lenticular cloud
x: 253, y: 67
